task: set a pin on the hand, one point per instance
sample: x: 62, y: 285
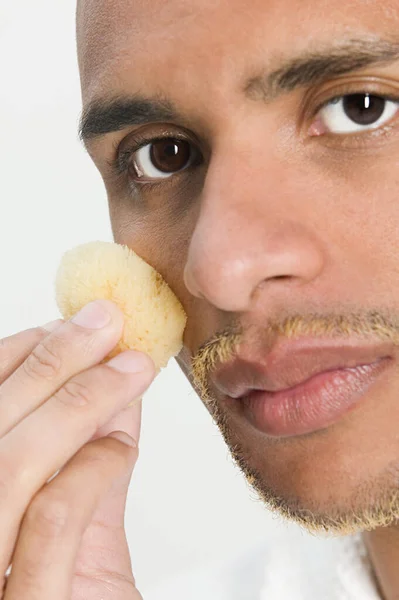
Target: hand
x: 64, y: 532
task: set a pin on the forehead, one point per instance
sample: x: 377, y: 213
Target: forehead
x: 180, y: 47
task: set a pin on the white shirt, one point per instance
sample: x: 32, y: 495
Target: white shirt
x: 293, y: 566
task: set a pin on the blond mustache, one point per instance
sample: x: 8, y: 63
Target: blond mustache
x: 224, y: 345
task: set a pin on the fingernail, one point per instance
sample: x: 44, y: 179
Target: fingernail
x: 129, y: 361
x: 92, y: 316
x: 124, y: 437
x: 52, y: 325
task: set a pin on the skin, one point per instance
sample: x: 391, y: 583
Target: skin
x: 268, y: 201
x: 63, y: 485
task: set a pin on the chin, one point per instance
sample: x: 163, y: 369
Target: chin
x: 338, y: 480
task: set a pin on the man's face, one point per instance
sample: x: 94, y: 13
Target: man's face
x: 263, y: 205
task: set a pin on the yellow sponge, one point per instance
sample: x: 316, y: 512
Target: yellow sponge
x: 154, y: 318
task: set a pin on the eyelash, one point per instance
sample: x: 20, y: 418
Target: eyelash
x: 119, y: 165
x: 349, y: 91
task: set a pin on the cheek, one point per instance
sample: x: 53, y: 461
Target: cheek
x: 376, y: 217
x: 166, y: 249
x: 162, y: 244
x: 356, y: 207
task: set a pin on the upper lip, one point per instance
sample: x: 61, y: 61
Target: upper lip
x: 290, y: 363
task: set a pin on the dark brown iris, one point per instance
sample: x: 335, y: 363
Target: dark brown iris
x: 364, y: 109
x: 170, y: 155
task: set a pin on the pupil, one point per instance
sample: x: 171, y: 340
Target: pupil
x: 169, y: 155
x: 364, y: 109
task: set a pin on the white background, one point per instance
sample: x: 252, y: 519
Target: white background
x: 188, y: 503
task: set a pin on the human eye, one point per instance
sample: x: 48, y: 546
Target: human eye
x: 153, y: 160
x: 354, y: 113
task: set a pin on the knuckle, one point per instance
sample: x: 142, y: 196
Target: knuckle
x: 48, y: 515
x: 29, y: 571
x: 4, y: 353
x: 7, y: 477
x: 13, y: 345
x: 74, y: 393
x: 44, y: 361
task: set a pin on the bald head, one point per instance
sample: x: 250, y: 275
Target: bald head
x: 106, y: 31
x: 97, y: 32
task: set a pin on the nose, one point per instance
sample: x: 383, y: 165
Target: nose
x: 249, y: 235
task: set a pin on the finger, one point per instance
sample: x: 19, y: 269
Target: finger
x: 51, y: 532
x: 48, y: 437
x: 128, y: 419
x: 67, y: 351
x: 29, y: 458
x: 15, y: 348
x: 111, y: 510
x: 107, y: 530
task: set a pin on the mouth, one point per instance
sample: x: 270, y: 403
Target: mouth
x: 313, y: 405
x: 299, y: 387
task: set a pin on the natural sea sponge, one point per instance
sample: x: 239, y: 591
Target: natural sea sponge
x: 154, y: 318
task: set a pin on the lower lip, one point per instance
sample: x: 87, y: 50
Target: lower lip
x: 312, y: 405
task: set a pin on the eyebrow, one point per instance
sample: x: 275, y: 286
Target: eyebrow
x: 105, y: 115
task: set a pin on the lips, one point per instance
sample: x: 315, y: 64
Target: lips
x: 290, y: 363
